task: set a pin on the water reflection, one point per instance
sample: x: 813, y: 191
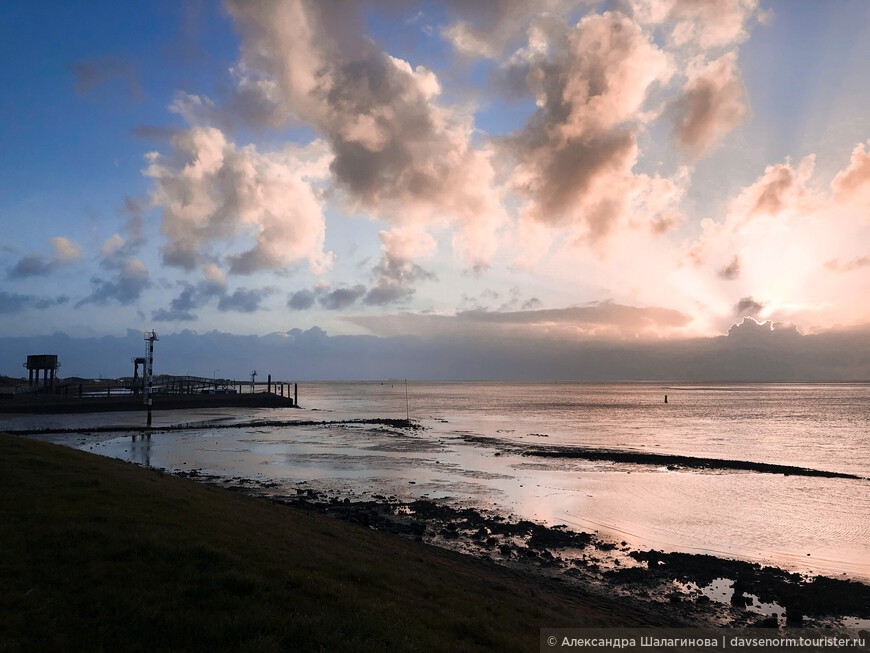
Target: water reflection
x: 140, y: 449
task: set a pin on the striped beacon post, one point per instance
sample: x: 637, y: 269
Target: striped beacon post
x: 150, y: 337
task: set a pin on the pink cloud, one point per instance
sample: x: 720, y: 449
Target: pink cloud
x: 705, y: 23
x: 854, y: 181
x: 485, y: 28
x: 211, y: 191
x: 711, y: 107
x: 575, y: 157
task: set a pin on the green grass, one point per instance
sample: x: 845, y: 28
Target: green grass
x: 97, y: 554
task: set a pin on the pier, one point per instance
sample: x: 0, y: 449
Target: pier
x: 168, y: 393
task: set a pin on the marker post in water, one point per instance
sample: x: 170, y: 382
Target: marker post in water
x: 150, y: 338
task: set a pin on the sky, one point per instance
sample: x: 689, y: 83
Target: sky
x: 497, y: 189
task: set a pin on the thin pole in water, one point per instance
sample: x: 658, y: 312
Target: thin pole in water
x: 407, y: 406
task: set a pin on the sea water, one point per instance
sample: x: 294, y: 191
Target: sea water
x: 471, y: 453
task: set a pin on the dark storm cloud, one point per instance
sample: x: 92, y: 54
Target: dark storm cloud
x: 301, y: 300
x: 732, y: 270
x: 747, y: 306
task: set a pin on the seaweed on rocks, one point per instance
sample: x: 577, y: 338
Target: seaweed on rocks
x: 815, y: 597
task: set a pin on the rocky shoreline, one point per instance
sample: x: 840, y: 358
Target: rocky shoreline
x: 693, y: 589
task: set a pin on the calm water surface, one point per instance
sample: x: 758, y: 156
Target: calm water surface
x: 803, y: 523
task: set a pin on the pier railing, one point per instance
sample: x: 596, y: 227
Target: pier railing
x: 132, y: 386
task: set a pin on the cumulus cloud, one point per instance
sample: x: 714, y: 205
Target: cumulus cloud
x: 711, y: 107
x: 853, y: 183
x: 337, y: 299
x: 575, y: 157
x: 11, y: 303
x: 787, y: 229
x: 487, y: 27
x: 92, y: 73
x: 194, y: 296
x: 117, y: 251
x: 244, y: 300
x: 126, y: 288
x: 706, y: 24
x: 31, y: 265
x: 211, y: 192
x: 398, y: 153
x: 301, y: 300
x: 341, y: 298
x: 751, y: 330
x: 65, y: 252
x: 180, y: 308
x: 396, y: 280
x: 782, y: 186
x: 781, y: 196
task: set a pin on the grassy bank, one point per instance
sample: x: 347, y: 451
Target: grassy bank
x: 98, y: 554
